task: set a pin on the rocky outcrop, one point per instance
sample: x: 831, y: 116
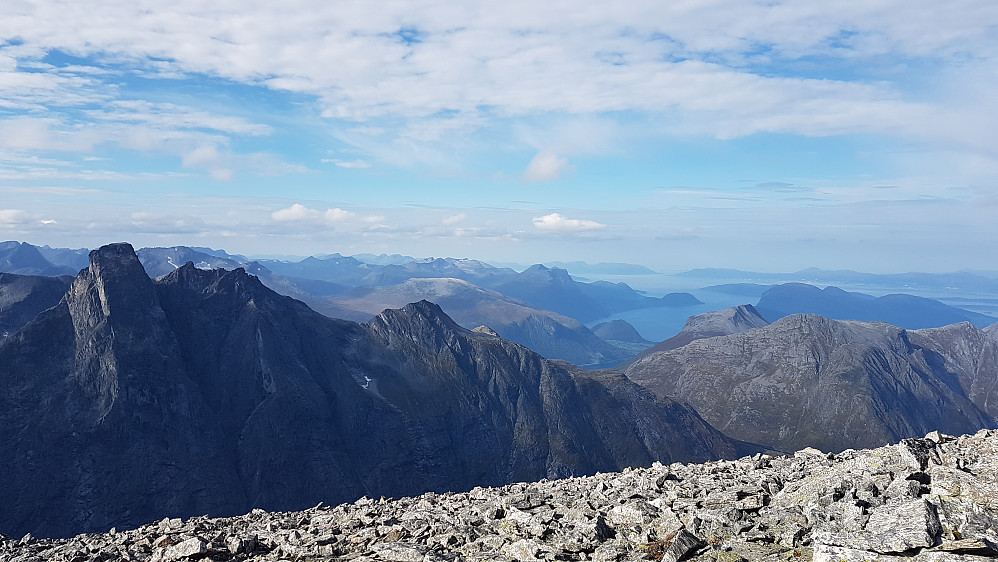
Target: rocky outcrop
x: 206, y: 392
x: 926, y: 499
x: 806, y: 380
x: 732, y: 320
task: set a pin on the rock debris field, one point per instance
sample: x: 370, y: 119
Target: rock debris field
x: 922, y: 499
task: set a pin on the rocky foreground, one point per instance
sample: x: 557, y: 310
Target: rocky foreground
x: 923, y: 499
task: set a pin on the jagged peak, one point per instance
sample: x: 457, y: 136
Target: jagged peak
x: 416, y: 317
x: 486, y: 330
x: 202, y: 280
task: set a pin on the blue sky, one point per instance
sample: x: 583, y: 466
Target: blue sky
x: 758, y: 135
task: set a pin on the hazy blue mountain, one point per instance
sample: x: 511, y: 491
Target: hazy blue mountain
x: 24, y: 259
x: 622, y: 334
x: 982, y: 282
x: 75, y: 260
x: 342, y: 270
x: 906, y: 311
x: 754, y: 290
x: 380, y: 259
x: 551, y: 334
x: 540, y: 286
x: 680, y: 300
x: 806, y: 380
x: 204, y: 392
x: 601, y: 268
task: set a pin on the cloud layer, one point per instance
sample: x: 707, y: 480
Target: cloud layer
x: 510, y: 120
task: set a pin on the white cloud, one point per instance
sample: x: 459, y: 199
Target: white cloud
x: 11, y: 217
x: 300, y: 213
x: 454, y: 219
x: 295, y: 213
x: 557, y: 223
x: 337, y: 215
x: 546, y: 166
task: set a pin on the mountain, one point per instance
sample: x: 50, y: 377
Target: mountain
x: 941, y: 283
x: 619, y: 330
x: 732, y: 320
x: 622, y: 334
x: 552, y: 335
x: 539, y: 286
x: 601, y: 268
x: 680, y: 299
x: 22, y: 297
x: 906, y: 311
x: 74, y: 260
x: 24, y: 259
x: 206, y: 392
x: 806, y: 380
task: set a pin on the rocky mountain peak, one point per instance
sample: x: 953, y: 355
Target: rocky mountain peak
x: 114, y: 281
x: 420, y: 319
x: 732, y: 320
x: 992, y: 331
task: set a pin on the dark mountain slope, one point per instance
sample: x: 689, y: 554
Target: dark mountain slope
x: 810, y: 381
x: 100, y: 422
x: 22, y: 297
x: 206, y: 392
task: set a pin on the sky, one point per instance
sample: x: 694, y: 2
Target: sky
x: 768, y: 136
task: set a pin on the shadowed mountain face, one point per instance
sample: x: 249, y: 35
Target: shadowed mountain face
x: 22, y: 297
x: 206, y: 392
x: 810, y: 381
x: 907, y: 311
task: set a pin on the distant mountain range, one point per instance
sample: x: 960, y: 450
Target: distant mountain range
x: 975, y: 281
x: 906, y: 311
x: 206, y: 392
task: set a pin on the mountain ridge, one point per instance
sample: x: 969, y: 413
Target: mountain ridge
x: 203, y: 391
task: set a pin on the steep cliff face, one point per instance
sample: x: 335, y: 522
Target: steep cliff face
x: 810, y: 381
x: 100, y: 421
x: 205, y: 392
